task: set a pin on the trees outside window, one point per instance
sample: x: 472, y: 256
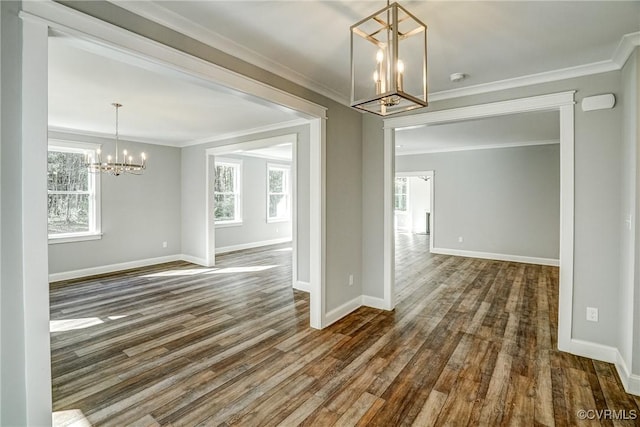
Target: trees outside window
x: 278, y: 193
x: 401, y: 194
x: 73, y: 198
x: 227, y: 192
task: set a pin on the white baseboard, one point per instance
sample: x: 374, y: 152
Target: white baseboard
x: 225, y: 249
x: 346, y: 308
x: 592, y: 350
x: 350, y: 306
x: 103, y: 269
x: 375, y: 302
x: 605, y: 353
x: 631, y: 382
x: 498, y: 257
x: 302, y: 286
x: 195, y: 260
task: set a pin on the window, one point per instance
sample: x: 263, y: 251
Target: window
x: 227, y: 208
x: 401, y: 194
x: 278, y: 193
x: 73, y: 193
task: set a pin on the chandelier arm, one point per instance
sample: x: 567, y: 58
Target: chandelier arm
x: 372, y: 39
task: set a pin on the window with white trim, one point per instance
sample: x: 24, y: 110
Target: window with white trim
x: 401, y: 194
x: 227, y: 193
x: 278, y: 193
x: 73, y: 193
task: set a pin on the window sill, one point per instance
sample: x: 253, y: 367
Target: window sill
x: 74, y: 238
x: 228, y: 224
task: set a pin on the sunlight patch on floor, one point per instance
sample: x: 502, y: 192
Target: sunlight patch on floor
x: 229, y: 270
x: 71, y: 418
x: 180, y: 272
x: 283, y: 250
x: 73, y: 324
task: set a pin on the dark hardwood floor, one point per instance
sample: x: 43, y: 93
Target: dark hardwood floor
x: 471, y: 342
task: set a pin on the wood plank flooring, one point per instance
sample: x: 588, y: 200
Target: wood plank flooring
x: 471, y: 342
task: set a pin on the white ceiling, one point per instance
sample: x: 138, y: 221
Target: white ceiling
x: 491, y: 41
x: 497, y: 43
x: 512, y: 130
x: 157, y: 108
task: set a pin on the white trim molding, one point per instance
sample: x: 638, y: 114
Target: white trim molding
x: 351, y: 306
x: 195, y: 260
x: 104, y: 269
x: 625, y: 48
x: 246, y: 132
x: 343, y: 310
x: 427, y: 150
x: 630, y: 382
x: 497, y: 257
x: 302, y: 286
x: 251, y: 245
x: 550, y: 101
x: 374, y: 302
x: 609, y: 354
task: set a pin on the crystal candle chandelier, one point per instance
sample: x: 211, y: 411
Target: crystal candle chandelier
x: 116, y: 165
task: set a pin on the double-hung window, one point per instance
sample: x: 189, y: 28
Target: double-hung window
x: 227, y: 196
x: 278, y: 193
x: 73, y: 192
x: 401, y: 194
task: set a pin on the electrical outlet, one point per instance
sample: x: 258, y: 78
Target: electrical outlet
x: 351, y: 280
x: 592, y: 314
x: 460, y: 239
x: 165, y: 244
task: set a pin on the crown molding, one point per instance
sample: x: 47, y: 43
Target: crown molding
x: 159, y: 14
x: 178, y: 144
x: 108, y: 136
x: 478, y: 147
x: 165, y: 17
x: 528, y: 80
x: 625, y: 48
x: 245, y: 132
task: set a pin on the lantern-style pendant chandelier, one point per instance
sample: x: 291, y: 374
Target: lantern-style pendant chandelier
x: 116, y: 166
x: 389, y: 62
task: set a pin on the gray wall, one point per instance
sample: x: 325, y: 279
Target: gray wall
x: 139, y: 213
x: 503, y: 201
x: 194, y: 160
x: 372, y: 201
x: 597, y: 182
x: 629, y: 299
x: 343, y: 206
x: 254, y: 228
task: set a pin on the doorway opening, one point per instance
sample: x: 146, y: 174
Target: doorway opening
x: 39, y: 21
x: 270, y: 193
x: 562, y: 104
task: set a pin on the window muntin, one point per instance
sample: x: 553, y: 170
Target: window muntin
x: 72, y: 192
x: 227, y: 197
x: 278, y: 193
x: 400, y: 200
